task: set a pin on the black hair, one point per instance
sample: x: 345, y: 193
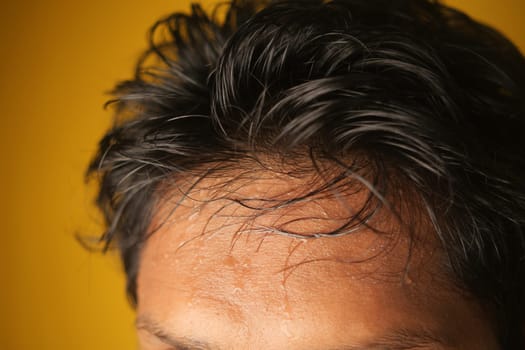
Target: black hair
x: 418, y: 89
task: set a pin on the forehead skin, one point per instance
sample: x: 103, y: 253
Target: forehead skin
x: 216, y: 274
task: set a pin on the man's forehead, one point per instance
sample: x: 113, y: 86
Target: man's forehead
x: 289, y: 217
x: 211, y: 259
x: 220, y: 237
x: 299, y: 292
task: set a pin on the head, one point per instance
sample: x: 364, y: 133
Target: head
x: 321, y: 174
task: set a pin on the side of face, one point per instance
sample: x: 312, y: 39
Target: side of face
x: 216, y: 275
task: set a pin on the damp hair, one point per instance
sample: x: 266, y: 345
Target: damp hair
x: 428, y: 100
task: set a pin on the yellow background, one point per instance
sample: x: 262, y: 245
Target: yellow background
x: 57, y: 58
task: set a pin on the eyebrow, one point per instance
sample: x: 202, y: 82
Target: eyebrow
x: 180, y: 343
x: 400, y: 339
x: 405, y: 339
